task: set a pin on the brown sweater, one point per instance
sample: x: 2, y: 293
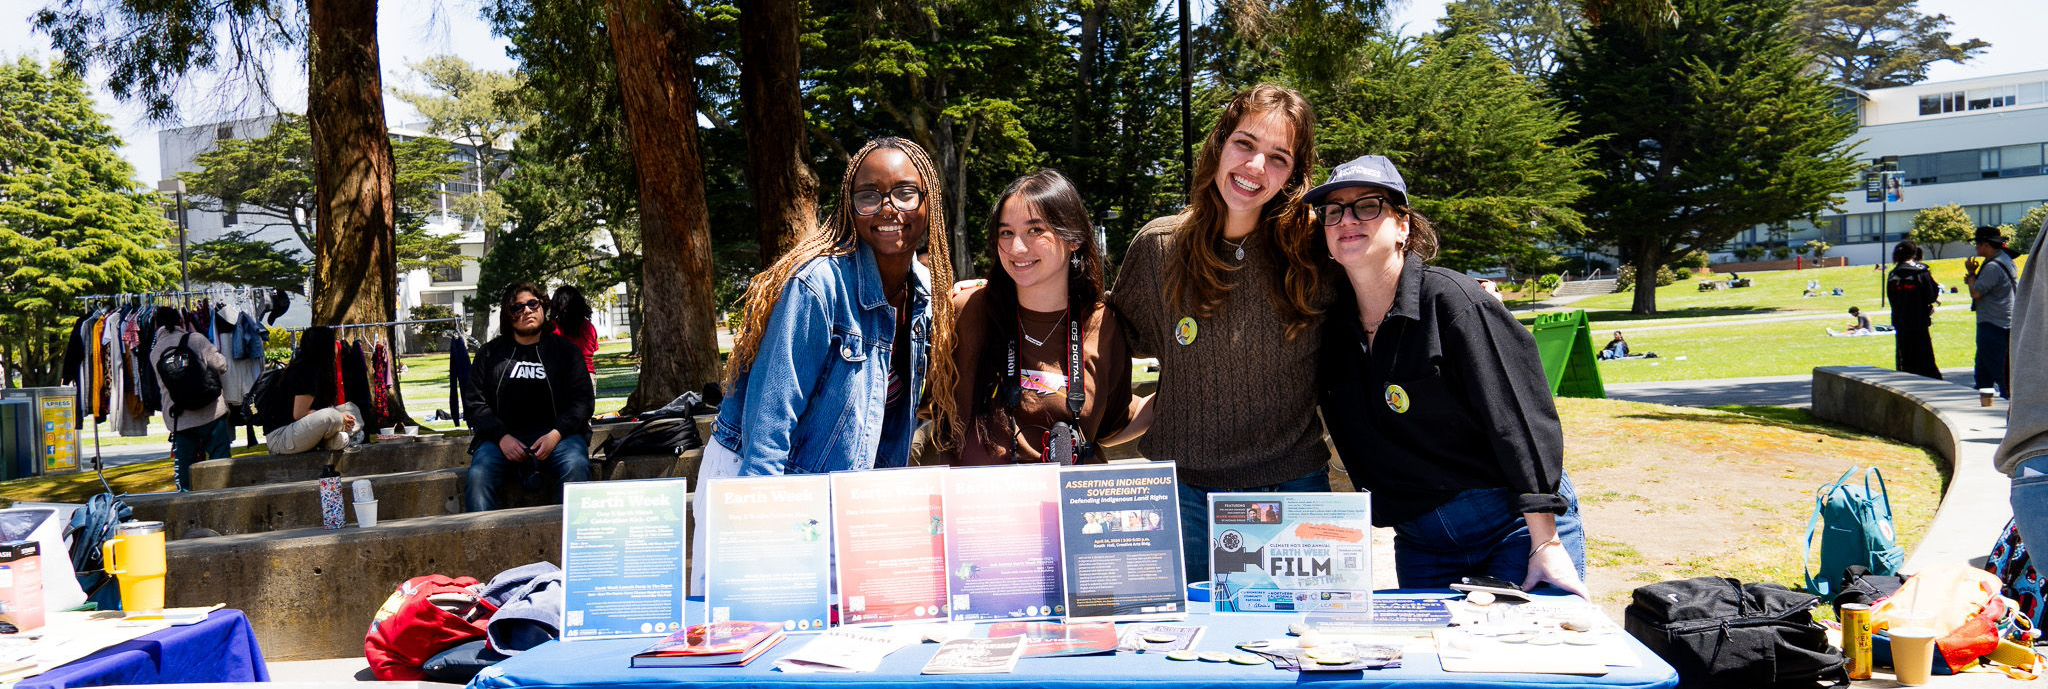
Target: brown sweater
x: 1236, y: 406
x: 1105, y: 362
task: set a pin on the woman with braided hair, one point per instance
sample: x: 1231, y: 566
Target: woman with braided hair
x: 842, y: 335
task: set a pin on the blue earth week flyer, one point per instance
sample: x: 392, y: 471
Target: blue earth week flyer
x: 1291, y: 552
x: 769, y: 557
x: 623, y: 549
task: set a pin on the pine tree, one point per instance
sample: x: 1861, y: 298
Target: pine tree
x: 1702, y: 129
x: 73, y: 218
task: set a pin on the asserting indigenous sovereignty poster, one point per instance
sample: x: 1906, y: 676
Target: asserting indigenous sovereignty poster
x: 1291, y: 552
x: 1120, y: 538
x: 889, y: 533
x: 623, y: 549
x: 769, y: 559
x: 1003, y: 542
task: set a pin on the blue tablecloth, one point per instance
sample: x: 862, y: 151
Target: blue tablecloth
x: 222, y: 648
x: 607, y: 663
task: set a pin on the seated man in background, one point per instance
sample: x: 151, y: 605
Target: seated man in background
x: 529, y: 399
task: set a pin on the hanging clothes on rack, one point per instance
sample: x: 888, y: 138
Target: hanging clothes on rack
x: 355, y: 378
x: 380, y: 380
x: 133, y: 419
x: 458, y: 374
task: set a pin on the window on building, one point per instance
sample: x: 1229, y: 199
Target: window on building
x: 438, y: 298
x: 2016, y: 161
x: 446, y: 274
x: 230, y: 218
x: 224, y: 132
x: 1985, y: 215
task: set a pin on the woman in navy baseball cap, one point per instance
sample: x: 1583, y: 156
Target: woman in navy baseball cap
x: 1436, y: 400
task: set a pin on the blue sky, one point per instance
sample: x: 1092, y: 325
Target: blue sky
x: 410, y: 31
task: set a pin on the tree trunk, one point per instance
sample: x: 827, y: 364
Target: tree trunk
x: 1646, y: 260
x: 1085, y: 126
x: 778, y: 152
x: 680, y: 342
x: 355, y: 256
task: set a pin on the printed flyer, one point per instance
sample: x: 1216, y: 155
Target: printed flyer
x: 623, y: 549
x: 1291, y: 552
x: 1003, y: 542
x: 769, y: 556
x: 889, y: 533
x: 1120, y: 541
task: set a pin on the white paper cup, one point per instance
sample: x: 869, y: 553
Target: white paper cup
x: 361, y: 489
x: 1912, y: 654
x: 366, y: 513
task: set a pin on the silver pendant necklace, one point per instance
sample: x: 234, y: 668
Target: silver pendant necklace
x: 1239, y: 245
x: 1040, y: 341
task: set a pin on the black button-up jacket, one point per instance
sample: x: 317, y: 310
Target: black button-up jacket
x: 1452, y: 396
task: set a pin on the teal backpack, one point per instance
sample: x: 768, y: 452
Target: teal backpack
x: 1856, y: 529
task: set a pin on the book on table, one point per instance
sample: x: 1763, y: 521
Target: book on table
x: 727, y: 644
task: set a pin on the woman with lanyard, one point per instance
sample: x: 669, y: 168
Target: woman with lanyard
x: 1227, y: 296
x: 1046, y: 375
x: 1437, y: 402
x: 826, y: 372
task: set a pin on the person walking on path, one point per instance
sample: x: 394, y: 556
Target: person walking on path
x: 1913, y: 295
x: 1991, y: 284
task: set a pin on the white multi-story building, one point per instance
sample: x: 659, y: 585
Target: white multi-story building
x: 1976, y: 142
x: 180, y: 148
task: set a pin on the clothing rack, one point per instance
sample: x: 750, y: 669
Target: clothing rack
x: 415, y: 321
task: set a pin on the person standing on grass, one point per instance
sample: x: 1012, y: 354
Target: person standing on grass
x: 1992, y: 285
x: 529, y: 400
x: 1437, y: 402
x: 1227, y: 296
x: 1913, y: 295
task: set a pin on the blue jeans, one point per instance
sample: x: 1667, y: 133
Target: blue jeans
x: 2030, y: 501
x: 1477, y: 533
x: 1194, y: 516
x: 205, y: 441
x: 1993, y: 350
x: 489, y: 469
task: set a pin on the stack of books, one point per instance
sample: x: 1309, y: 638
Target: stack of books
x: 718, y: 644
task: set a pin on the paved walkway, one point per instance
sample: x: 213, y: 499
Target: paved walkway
x: 1788, y: 391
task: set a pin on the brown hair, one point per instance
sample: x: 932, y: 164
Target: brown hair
x: 836, y: 237
x: 1198, y: 277
x: 1057, y: 202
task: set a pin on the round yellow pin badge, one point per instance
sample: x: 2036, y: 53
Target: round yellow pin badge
x: 1185, y: 331
x: 1397, y: 399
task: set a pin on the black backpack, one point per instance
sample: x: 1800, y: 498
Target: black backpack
x: 1719, y: 632
x: 664, y: 436
x: 265, y: 403
x: 191, y: 383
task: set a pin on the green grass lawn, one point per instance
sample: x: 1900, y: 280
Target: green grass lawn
x: 1770, y: 349
x: 1775, y: 292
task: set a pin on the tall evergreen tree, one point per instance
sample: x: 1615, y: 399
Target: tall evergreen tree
x: 1476, y: 142
x: 73, y: 218
x: 1527, y: 33
x: 1702, y: 129
x: 1873, y: 44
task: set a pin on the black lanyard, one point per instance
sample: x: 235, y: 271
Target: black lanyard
x: 1077, y: 393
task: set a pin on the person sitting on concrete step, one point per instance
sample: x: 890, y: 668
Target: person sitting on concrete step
x: 529, y: 400
x: 318, y: 416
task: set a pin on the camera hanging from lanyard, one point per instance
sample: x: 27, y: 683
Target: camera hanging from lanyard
x: 1063, y: 444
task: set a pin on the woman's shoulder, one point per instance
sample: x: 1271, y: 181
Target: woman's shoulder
x: 1159, y: 232
x: 1450, y: 289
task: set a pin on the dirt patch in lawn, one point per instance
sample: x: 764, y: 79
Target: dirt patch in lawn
x: 1675, y: 492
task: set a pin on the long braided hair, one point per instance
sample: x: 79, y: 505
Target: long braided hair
x: 1198, y: 277
x: 836, y: 238
x: 1056, y: 200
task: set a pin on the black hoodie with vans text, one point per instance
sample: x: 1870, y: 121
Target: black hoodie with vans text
x: 527, y: 390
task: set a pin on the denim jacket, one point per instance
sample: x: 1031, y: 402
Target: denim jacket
x: 814, y: 397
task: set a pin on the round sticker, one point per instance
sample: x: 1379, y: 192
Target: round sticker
x: 1397, y: 399
x: 1185, y: 332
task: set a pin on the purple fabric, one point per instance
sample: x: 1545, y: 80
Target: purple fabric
x: 220, y: 649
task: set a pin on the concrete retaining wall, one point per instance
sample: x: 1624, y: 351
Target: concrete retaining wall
x: 310, y: 593
x: 364, y: 460
x: 1941, y: 416
x: 278, y: 507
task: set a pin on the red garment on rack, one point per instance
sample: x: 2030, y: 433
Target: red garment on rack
x: 340, y: 390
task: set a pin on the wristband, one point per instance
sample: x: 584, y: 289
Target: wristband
x: 1554, y: 541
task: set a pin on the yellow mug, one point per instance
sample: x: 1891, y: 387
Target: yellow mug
x: 135, y: 557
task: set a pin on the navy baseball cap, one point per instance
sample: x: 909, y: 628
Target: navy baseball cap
x: 1363, y: 171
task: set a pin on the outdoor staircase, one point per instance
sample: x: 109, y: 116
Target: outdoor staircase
x: 1583, y: 287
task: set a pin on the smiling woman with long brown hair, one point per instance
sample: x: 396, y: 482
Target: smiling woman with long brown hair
x: 1226, y: 296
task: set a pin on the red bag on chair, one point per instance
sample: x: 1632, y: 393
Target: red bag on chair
x: 425, y: 616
